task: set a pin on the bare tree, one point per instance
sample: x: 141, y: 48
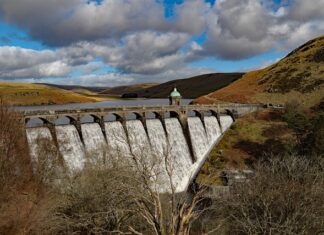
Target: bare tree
x: 286, y: 196
x: 119, y: 195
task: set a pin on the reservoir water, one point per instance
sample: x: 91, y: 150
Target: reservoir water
x: 106, y: 103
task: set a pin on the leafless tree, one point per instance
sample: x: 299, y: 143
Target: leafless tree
x: 119, y: 195
x: 286, y: 196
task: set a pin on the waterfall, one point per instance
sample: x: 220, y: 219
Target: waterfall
x: 160, y: 153
x: 138, y: 141
x: 35, y: 138
x: 212, y: 129
x: 180, y: 155
x: 118, y: 147
x: 225, y: 121
x: 198, y: 137
x: 94, y: 141
x: 160, y: 150
x: 70, y: 146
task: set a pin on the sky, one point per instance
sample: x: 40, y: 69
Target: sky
x: 121, y: 42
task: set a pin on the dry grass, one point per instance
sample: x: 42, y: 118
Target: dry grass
x: 299, y: 76
x: 247, y: 140
x: 33, y: 94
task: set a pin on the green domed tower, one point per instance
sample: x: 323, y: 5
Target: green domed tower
x: 175, y: 97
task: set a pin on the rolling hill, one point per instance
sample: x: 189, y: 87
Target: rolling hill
x: 36, y: 94
x: 120, y: 90
x: 298, y: 76
x: 190, y: 87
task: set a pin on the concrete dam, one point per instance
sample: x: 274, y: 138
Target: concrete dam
x: 178, y: 138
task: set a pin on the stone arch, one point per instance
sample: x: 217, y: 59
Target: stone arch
x: 194, y: 113
x: 111, y: 117
x: 230, y: 113
x: 89, y: 118
x: 152, y: 115
x: 171, y: 114
x: 133, y: 116
x: 36, y: 122
x: 65, y: 120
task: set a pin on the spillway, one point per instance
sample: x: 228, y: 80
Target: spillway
x: 94, y: 141
x: 117, y: 142
x: 38, y: 139
x: 180, y: 159
x: 160, y: 154
x: 139, y: 143
x: 160, y: 148
x: 71, y: 147
x: 213, y: 130
x: 226, y: 122
x: 198, y: 137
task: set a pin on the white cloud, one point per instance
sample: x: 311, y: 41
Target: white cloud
x: 135, y: 38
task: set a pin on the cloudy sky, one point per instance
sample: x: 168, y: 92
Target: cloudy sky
x: 115, y: 42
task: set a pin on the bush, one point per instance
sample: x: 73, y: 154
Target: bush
x: 286, y: 196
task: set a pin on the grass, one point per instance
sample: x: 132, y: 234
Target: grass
x: 247, y: 140
x: 297, y: 77
x: 33, y: 94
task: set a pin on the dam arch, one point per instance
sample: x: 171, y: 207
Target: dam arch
x: 65, y: 120
x: 112, y: 117
x: 89, y: 118
x: 133, y: 116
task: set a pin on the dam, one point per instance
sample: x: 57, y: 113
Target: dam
x: 163, y: 139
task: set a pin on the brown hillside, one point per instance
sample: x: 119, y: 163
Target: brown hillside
x: 119, y: 90
x: 35, y: 94
x: 191, y: 87
x: 299, y: 76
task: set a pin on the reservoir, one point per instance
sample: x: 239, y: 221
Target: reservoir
x: 106, y: 103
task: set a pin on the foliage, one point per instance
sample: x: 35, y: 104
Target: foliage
x: 285, y: 196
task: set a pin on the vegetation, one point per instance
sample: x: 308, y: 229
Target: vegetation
x: 111, y: 196
x: 33, y: 94
x: 298, y: 76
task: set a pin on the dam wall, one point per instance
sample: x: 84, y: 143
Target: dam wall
x: 159, y: 145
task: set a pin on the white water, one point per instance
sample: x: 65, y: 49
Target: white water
x: 70, y: 146
x: 160, y: 154
x: 212, y: 129
x: 138, y: 141
x: 94, y: 141
x: 180, y: 156
x: 226, y: 122
x: 198, y: 137
x: 117, y: 141
x: 154, y: 149
x: 35, y: 136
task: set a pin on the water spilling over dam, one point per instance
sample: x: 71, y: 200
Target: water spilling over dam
x: 163, y: 145
x: 170, y: 142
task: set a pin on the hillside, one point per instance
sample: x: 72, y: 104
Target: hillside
x: 120, y: 90
x: 298, y: 76
x: 36, y: 94
x: 76, y: 87
x: 191, y: 87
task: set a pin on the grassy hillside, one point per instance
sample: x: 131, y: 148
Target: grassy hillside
x: 76, y: 87
x: 191, y: 87
x: 299, y: 76
x: 36, y: 94
x: 119, y: 90
x: 247, y: 140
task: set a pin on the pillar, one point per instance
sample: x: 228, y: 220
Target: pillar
x: 183, y: 118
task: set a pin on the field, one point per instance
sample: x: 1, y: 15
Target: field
x: 35, y: 94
